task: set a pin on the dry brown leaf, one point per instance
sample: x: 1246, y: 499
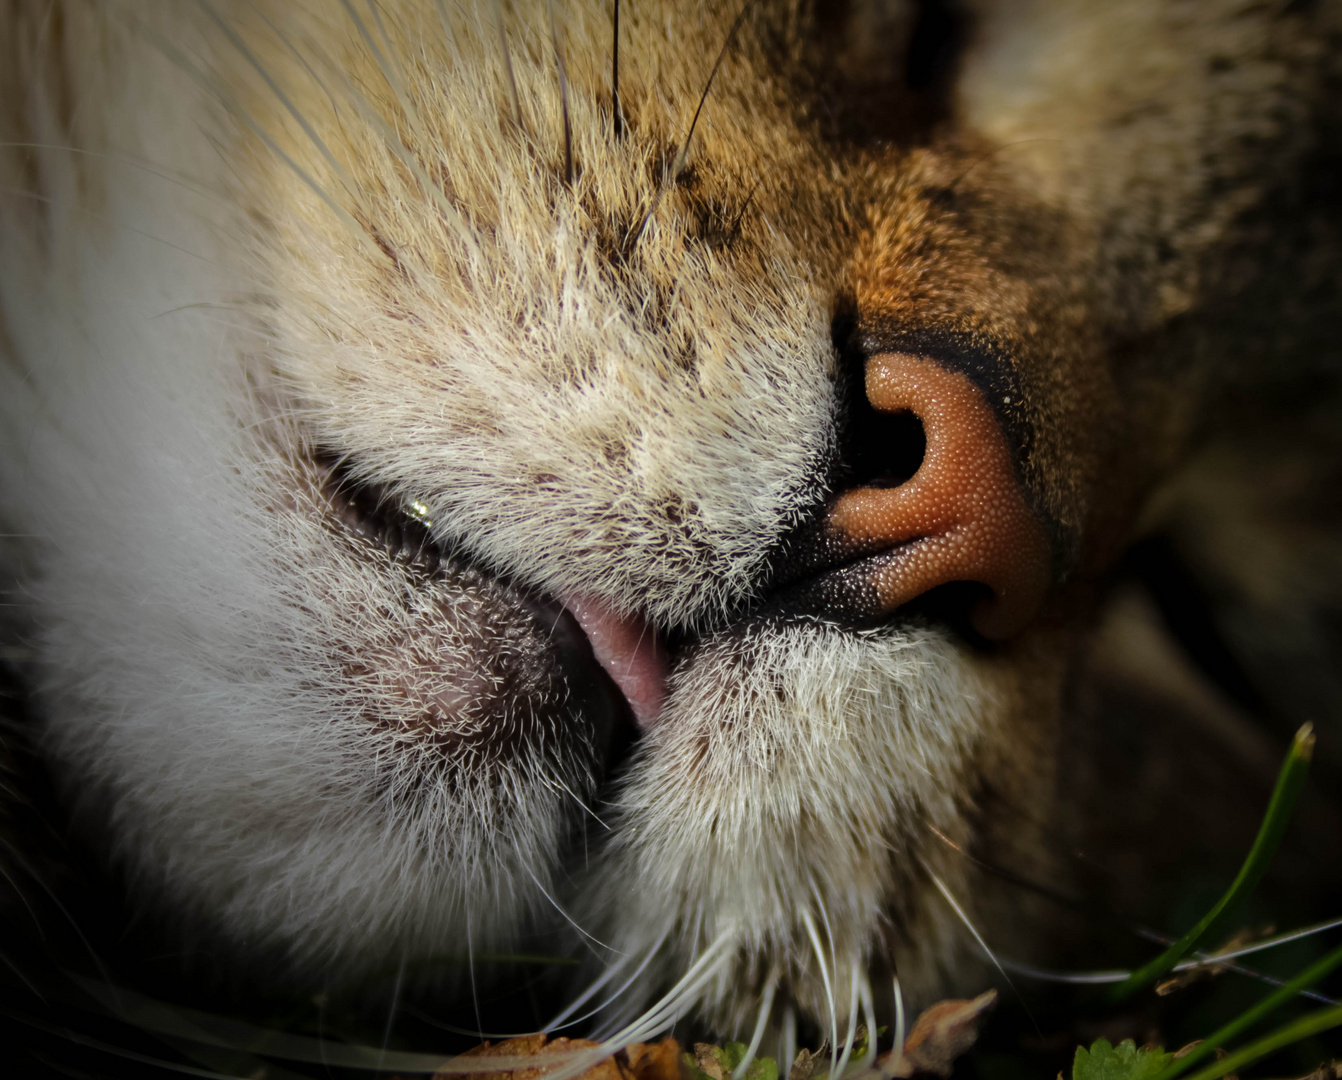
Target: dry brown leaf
x: 806, y: 1064
x: 939, y: 1036
x: 638, y: 1061
x: 653, y: 1061
x: 1209, y: 968
x: 708, y: 1062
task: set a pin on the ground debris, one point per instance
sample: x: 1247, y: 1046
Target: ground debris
x: 532, y: 1057
x: 940, y: 1035
x: 1208, y: 967
x: 1329, y: 1070
x: 710, y: 1061
x: 808, y: 1062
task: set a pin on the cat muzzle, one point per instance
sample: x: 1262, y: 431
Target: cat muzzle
x: 961, y: 517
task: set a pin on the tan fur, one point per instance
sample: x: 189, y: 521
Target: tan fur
x: 627, y: 387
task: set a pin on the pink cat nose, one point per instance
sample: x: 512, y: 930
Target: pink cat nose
x: 961, y: 517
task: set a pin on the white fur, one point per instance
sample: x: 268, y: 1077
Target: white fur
x: 799, y: 770
x: 206, y: 298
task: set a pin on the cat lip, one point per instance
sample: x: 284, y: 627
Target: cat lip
x: 846, y: 594
x: 615, y: 666
x: 630, y: 650
x: 811, y: 586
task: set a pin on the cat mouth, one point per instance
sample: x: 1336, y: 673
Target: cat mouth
x: 630, y: 650
x: 615, y: 666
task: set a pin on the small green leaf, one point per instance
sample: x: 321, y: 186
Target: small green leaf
x: 735, y: 1054
x: 1104, y: 1061
x: 762, y: 1069
x: 691, y: 1068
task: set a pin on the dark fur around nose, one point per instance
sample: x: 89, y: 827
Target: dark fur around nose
x: 929, y: 503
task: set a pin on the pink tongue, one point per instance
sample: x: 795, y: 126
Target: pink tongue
x: 630, y: 651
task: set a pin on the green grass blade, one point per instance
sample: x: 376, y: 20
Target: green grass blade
x: 1251, y: 1016
x: 1289, y: 782
x: 1303, y: 1028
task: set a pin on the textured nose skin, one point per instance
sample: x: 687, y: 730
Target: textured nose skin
x: 962, y: 516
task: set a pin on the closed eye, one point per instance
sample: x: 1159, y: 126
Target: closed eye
x: 372, y: 512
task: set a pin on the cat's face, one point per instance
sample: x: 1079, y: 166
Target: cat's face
x: 548, y: 529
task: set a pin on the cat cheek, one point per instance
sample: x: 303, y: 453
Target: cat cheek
x: 407, y: 695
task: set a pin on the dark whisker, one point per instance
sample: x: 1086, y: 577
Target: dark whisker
x: 470, y: 943
x: 735, y: 230
x: 1088, y: 907
x: 508, y: 64
x: 617, y: 121
x: 678, y: 163
x: 563, y: 97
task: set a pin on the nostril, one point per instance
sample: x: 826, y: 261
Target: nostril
x: 931, y: 516
x: 884, y: 449
x: 959, y: 516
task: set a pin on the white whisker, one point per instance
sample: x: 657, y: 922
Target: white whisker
x: 676, y: 1003
x: 594, y: 988
x: 662, y: 1014
x: 567, y: 1017
x: 689, y: 982
x: 558, y: 782
x: 247, y: 54
x: 811, y: 932
x: 243, y: 115
x: 386, y: 64
x: 394, y: 143
x: 93, y: 215
x: 391, y: 1012
x: 470, y: 968
x: 673, y: 1009
x: 897, y: 1054
x: 854, y: 967
x: 567, y: 917
x: 1102, y: 978
x: 766, y: 1006
x: 869, y: 1019
x: 959, y: 911
x: 788, y: 1040
x: 834, y: 967
x: 1074, y: 978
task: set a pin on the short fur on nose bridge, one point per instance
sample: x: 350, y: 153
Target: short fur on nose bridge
x: 962, y: 516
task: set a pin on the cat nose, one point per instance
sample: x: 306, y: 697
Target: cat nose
x: 958, y: 514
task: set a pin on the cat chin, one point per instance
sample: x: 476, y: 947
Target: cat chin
x: 753, y: 867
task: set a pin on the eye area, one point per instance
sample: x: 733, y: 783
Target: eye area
x: 375, y: 514
x: 884, y: 70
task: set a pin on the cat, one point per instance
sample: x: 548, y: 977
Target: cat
x: 643, y: 474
